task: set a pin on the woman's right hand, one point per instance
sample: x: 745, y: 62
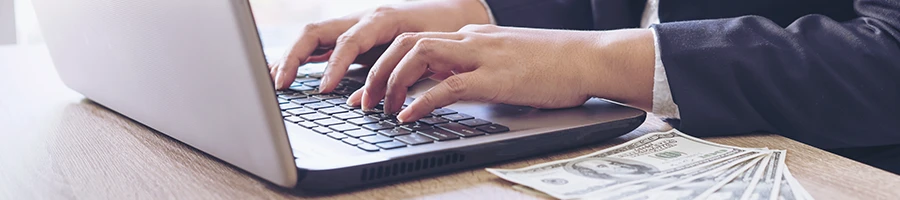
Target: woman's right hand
x: 358, y: 33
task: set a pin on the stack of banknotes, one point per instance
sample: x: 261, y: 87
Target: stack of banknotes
x: 665, y: 165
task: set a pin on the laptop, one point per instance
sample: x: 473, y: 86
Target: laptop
x: 195, y: 71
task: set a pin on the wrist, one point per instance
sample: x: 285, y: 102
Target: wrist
x: 475, y: 12
x: 442, y: 16
x: 624, y: 69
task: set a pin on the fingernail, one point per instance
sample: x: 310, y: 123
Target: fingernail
x: 324, y: 82
x: 403, y: 117
x: 388, y: 109
x: 365, y: 105
x: 353, y: 101
x: 277, y: 81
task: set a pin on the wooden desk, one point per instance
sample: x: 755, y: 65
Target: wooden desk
x: 56, y: 145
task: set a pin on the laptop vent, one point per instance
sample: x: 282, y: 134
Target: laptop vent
x: 400, y: 168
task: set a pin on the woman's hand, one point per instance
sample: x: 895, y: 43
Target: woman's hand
x: 533, y: 67
x: 356, y: 34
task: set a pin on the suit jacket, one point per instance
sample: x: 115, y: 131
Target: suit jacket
x: 823, y: 72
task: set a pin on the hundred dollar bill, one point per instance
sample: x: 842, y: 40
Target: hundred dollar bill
x: 696, y: 187
x: 768, y: 185
x: 737, y: 186
x: 651, y: 155
x: 786, y: 192
x: 791, y: 188
x: 528, y: 190
x: 639, y: 189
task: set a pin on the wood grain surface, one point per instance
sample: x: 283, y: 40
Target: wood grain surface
x: 55, y: 144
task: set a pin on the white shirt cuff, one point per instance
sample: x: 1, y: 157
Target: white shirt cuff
x: 663, y: 104
x: 489, y: 13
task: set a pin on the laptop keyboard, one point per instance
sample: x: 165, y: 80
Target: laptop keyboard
x: 329, y: 115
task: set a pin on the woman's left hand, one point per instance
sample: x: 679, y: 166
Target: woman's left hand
x: 519, y: 66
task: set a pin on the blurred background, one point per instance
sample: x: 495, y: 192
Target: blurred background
x: 279, y: 21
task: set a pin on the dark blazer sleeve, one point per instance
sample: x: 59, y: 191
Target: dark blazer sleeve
x: 552, y: 14
x: 827, y: 83
x: 568, y: 14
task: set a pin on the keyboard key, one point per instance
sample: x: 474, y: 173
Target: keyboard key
x: 493, y: 128
x: 352, y: 141
x: 293, y: 119
x: 289, y: 106
x: 311, y: 92
x: 391, y: 145
x: 457, y: 117
x: 318, y: 105
x: 282, y: 101
x: 343, y: 127
x: 461, y: 130
x: 359, y: 133
x: 433, y: 120
x: 314, y: 116
x: 338, y: 101
x: 360, y: 111
x: 304, y: 79
x: 416, y: 126
x: 328, y: 122
x: 300, y: 111
x: 301, y: 88
x: 337, y: 135
x: 393, y: 121
x: 332, y: 110
x: 373, y: 111
x: 295, y: 84
x: 313, y: 83
x: 414, y: 139
x: 307, y: 124
x: 327, y: 96
x: 367, y: 147
x: 344, y: 91
x: 364, y: 120
x: 285, y: 114
x: 291, y: 96
x: 376, y: 139
x: 439, y: 134
x: 315, y: 74
x: 394, y: 132
x: 346, y: 116
x: 474, y: 122
x: 442, y: 111
x: 348, y: 107
x: 322, y: 130
x: 381, y: 116
x: 302, y: 101
x: 378, y: 126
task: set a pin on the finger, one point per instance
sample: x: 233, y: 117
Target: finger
x: 354, y: 99
x: 381, y: 70
x: 465, y: 86
x: 357, y: 40
x: 320, y: 57
x: 311, y: 38
x: 429, y: 55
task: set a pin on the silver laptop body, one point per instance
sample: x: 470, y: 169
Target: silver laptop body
x: 195, y: 71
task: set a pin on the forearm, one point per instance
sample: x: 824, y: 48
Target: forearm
x: 454, y: 13
x: 624, y: 67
